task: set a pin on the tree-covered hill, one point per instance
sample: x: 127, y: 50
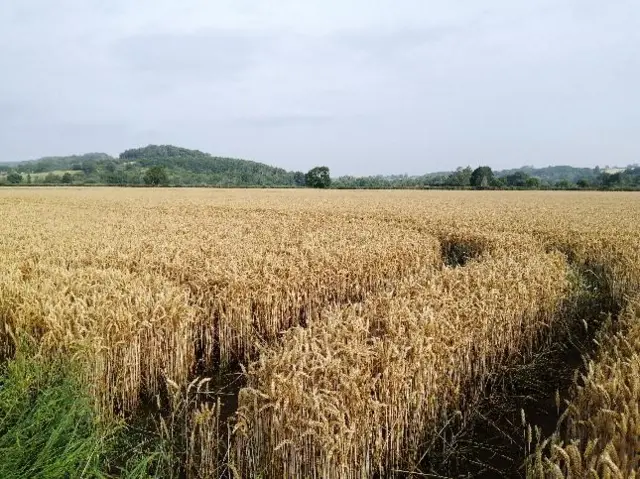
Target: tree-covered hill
x: 181, y: 167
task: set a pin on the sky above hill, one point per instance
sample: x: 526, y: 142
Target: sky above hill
x: 364, y: 87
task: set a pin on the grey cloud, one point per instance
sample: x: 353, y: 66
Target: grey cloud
x: 383, y: 43
x: 67, y: 138
x: 278, y: 121
x: 9, y: 109
x: 365, y: 87
x: 216, y: 53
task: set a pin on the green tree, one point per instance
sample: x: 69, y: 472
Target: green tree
x: 88, y: 167
x: 532, y: 183
x: 499, y: 182
x: 517, y: 179
x: 461, y: 177
x: 482, y: 177
x: 29, y: 178
x: 156, y: 176
x: 52, y: 178
x: 298, y: 178
x: 14, y: 178
x: 563, y: 184
x: 318, y: 177
x: 583, y: 183
x: 67, y: 178
x: 110, y: 166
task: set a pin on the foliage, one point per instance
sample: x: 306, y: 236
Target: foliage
x: 318, y: 177
x: 482, y: 177
x: 563, y: 185
x: 532, y: 183
x: 14, y: 178
x: 182, y: 166
x: 194, y: 167
x: 517, y: 179
x: 156, y: 176
x: 553, y: 174
x: 299, y: 178
x: 498, y: 183
x: 53, y: 163
x: 185, y: 167
x: 461, y: 177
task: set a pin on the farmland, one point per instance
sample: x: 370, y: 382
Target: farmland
x: 298, y: 333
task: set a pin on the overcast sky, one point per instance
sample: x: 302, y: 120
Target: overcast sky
x: 363, y: 86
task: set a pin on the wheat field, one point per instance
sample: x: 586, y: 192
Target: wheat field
x: 363, y: 330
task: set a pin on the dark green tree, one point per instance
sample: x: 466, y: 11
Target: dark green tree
x: 563, y: 184
x: 498, y: 182
x: 318, y: 177
x: 67, y: 178
x: 460, y: 177
x: 156, y: 176
x: 532, y: 183
x: 583, y: 183
x: 517, y: 179
x: 482, y: 177
x: 109, y: 166
x: 52, y: 178
x: 14, y: 178
x: 298, y: 178
x: 29, y: 179
x: 88, y: 167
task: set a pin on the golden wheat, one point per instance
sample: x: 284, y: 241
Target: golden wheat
x: 358, y: 391
x: 359, y: 343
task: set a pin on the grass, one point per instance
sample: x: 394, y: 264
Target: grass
x: 49, y: 427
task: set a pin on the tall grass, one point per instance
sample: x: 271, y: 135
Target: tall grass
x: 49, y: 427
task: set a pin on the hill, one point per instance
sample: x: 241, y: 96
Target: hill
x: 183, y: 167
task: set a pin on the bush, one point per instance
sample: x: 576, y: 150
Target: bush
x: 52, y: 178
x: 14, y: 178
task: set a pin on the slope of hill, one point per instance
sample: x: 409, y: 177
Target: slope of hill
x: 54, y: 163
x: 186, y: 166
x: 183, y: 167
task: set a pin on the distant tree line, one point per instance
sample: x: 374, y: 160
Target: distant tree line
x: 167, y: 165
x: 484, y: 177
